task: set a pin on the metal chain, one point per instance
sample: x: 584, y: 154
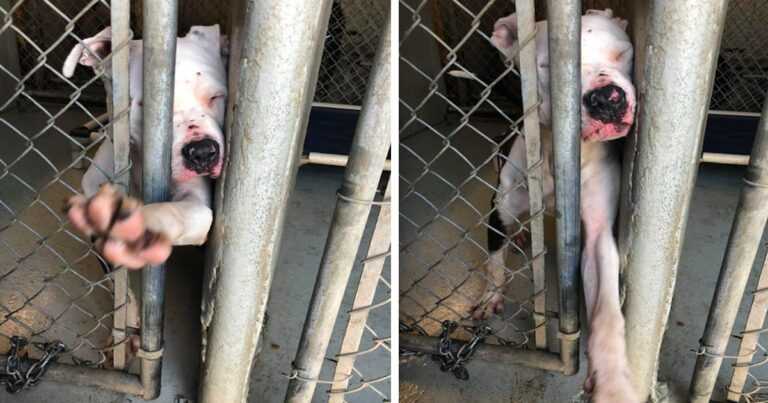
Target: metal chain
x: 452, y: 356
x: 13, y: 375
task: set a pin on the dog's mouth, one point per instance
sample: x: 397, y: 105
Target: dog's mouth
x: 607, y: 104
x: 609, y: 113
x: 203, y: 157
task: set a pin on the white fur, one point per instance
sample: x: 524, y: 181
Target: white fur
x: 199, y: 77
x: 605, y: 49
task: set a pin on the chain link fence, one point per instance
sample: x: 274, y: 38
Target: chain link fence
x: 362, y: 366
x: 748, y: 375
x: 54, y: 287
x: 353, y: 33
x: 741, y: 80
x: 458, y: 119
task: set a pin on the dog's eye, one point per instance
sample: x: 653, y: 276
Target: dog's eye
x: 215, y: 98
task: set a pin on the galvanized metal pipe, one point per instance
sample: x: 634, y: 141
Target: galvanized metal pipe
x: 160, y: 25
x: 366, y: 163
x: 116, y: 381
x: 277, y: 77
x: 492, y: 353
x: 681, y: 55
x: 743, y: 242
x: 564, y: 26
x: 530, y: 90
x: 118, y: 85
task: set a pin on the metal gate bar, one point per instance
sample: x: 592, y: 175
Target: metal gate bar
x: 680, y: 63
x: 368, y: 154
x: 277, y: 77
x: 119, y: 87
x: 530, y: 89
x: 743, y: 242
x: 564, y: 41
x: 159, y: 51
x: 750, y: 336
x: 564, y: 25
x: 378, y: 250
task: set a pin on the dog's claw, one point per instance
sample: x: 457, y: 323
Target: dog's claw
x: 491, y: 303
x: 116, y: 225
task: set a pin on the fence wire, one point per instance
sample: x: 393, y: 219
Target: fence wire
x: 353, y: 33
x: 53, y: 285
x: 741, y: 80
x: 451, y: 149
x: 362, y: 369
x: 748, y: 350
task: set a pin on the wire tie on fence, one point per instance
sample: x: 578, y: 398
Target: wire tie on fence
x: 755, y: 184
x: 703, y: 351
x: 295, y: 375
x: 369, y: 307
x: 376, y: 257
x: 568, y: 336
x: 150, y: 355
x: 384, y: 202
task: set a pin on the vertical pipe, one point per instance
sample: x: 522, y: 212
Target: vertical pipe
x: 530, y: 88
x: 370, y: 276
x: 160, y: 24
x: 564, y: 25
x: 743, y: 242
x: 366, y: 163
x: 278, y: 73
x: 681, y: 56
x: 120, y: 14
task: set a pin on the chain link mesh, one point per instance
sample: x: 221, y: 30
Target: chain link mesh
x: 452, y: 144
x: 747, y: 352
x: 362, y: 367
x: 53, y: 284
x: 353, y: 33
x: 741, y: 80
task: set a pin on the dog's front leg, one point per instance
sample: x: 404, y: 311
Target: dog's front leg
x: 132, y: 235
x: 609, y: 376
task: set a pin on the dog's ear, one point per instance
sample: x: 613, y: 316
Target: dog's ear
x: 608, y: 13
x: 621, y: 23
x: 505, y: 33
x: 209, y: 34
x: 88, y: 53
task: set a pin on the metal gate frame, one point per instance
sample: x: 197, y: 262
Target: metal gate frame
x: 740, y: 255
x: 564, y: 37
x: 160, y: 39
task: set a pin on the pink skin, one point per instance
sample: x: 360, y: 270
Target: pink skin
x: 595, y: 130
x: 195, y: 128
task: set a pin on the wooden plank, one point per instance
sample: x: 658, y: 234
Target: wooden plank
x: 750, y: 336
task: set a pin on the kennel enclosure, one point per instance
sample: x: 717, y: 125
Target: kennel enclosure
x: 54, y: 286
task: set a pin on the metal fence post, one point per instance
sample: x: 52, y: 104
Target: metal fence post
x: 682, y: 51
x: 564, y: 24
x: 278, y: 71
x: 160, y: 22
x: 366, y: 163
x: 118, y: 85
x: 743, y: 242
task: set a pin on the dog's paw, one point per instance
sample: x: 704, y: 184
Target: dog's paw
x: 491, y: 303
x: 116, y: 224
x: 616, y: 388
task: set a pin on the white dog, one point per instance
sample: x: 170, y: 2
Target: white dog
x: 608, y: 108
x: 126, y: 232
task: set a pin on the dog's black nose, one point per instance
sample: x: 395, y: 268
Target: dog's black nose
x: 200, y: 156
x: 607, y: 104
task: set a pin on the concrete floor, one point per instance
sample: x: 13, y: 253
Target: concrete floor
x: 309, y: 215
x: 712, y: 210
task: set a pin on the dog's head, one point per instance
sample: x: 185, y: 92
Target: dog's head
x: 608, y: 96
x: 200, y: 93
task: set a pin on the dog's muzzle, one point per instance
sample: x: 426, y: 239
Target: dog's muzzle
x: 607, y: 104
x: 200, y: 156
